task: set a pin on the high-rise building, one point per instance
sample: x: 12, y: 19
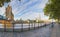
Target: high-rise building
x: 9, y: 14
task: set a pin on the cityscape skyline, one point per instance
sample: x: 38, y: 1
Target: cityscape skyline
x: 27, y: 9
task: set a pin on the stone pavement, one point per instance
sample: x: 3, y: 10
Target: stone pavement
x: 55, y: 31
x: 41, y: 32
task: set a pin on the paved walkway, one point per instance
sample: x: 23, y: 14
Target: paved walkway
x: 56, y: 31
x: 41, y: 32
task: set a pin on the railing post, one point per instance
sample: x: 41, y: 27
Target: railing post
x: 29, y: 25
x: 13, y: 27
x: 34, y: 24
x: 38, y: 24
x: 4, y: 27
x: 21, y: 26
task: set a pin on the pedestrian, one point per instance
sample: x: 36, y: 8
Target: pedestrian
x: 52, y: 24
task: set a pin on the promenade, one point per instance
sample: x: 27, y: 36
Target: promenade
x: 45, y: 31
x: 55, y: 31
x: 40, y: 32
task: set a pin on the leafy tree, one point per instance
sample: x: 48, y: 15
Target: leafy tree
x: 52, y: 9
x: 3, y: 1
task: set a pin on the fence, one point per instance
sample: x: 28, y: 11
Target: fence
x: 22, y: 27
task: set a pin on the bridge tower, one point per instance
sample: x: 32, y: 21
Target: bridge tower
x: 9, y: 14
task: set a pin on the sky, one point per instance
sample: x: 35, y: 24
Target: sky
x: 26, y: 9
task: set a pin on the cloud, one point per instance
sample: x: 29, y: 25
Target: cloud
x: 28, y: 5
x: 2, y: 10
x: 33, y: 15
x: 30, y: 15
x: 26, y: 9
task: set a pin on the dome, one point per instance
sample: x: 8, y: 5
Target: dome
x: 2, y: 17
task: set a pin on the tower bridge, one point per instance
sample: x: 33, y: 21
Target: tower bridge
x: 8, y: 18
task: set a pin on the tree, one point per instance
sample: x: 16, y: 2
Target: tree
x: 52, y: 9
x: 3, y: 1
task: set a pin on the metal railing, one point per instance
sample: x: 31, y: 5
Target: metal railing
x: 22, y: 27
